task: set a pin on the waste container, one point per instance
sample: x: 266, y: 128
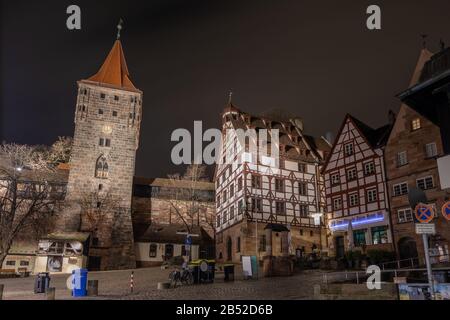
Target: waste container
x: 228, y: 270
x: 79, y: 282
x: 203, y: 271
x: 42, y: 282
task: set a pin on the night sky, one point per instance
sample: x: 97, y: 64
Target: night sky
x: 312, y: 58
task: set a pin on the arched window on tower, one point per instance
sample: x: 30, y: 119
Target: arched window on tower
x: 101, y: 169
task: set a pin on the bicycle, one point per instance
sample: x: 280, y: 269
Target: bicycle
x: 183, y: 277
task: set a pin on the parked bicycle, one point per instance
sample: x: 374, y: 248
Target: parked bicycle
x: 181, y: 277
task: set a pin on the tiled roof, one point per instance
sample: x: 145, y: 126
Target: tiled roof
x: 376, y: 137
x: 114, y: 70
x: 169, y: 233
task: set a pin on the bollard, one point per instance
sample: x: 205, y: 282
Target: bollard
x: 132, y: 282
x: 50, y: 293
x: 92, y: 288
x: 2, y: 286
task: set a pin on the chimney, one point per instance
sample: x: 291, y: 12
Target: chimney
x: 329, y: 137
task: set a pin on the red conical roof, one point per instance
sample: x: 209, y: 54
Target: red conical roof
x: 114, y: 70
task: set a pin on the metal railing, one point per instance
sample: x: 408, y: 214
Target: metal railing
x: 359, y: 277
x: 400, y: 264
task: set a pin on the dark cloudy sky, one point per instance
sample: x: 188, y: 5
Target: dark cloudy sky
x: 313, y: 58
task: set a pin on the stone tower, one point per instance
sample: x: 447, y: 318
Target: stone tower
x: 107, y: 123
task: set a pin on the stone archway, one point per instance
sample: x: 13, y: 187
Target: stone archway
x: 407, y: 248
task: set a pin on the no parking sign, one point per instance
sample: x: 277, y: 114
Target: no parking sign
x: 446, y: 210
x: 424, y: 213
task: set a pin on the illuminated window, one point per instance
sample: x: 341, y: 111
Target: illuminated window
x: 416, y: 124
x: 359, y: 238
x: 379, y: 235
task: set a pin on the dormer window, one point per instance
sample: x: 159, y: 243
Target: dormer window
x: 416, y: 124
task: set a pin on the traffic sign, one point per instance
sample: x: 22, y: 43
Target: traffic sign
x: 425, y: 228
x: 424, y: 213
x: 188, y: 240
x: 446, y: 210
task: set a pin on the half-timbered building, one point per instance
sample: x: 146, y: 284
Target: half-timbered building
x: 257, y: 192
x: 356, y: 193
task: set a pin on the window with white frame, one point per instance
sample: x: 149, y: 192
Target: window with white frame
x: 431, y: 150
x: 372, y: 195
x: 402, y: 159
x: 352, y: 174
x: 425, y: 183
x: 337, y: 203
x: 349, y: 149
x: 335, y: 179
x: 369, y: 168
x: 353, y: 199
x: 405, y: 215
x: 400, y: 189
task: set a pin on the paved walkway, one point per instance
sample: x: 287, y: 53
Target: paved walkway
x: 116, y: 285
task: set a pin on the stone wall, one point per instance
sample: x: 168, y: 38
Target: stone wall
x: 403, y: 138
x: 114, y: 115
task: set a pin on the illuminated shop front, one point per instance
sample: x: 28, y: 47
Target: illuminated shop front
x: 366, y: 231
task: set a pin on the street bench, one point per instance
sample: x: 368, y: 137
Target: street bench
x: 7, y: 273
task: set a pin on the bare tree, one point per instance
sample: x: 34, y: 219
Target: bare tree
x: 26, y: 196
x: 185, y: 197
x: 96, y: 206
x: 60, y: 151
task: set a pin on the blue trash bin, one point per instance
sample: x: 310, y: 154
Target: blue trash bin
x: 79, y: 283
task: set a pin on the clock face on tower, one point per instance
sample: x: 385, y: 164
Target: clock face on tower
x: 107, y: 129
